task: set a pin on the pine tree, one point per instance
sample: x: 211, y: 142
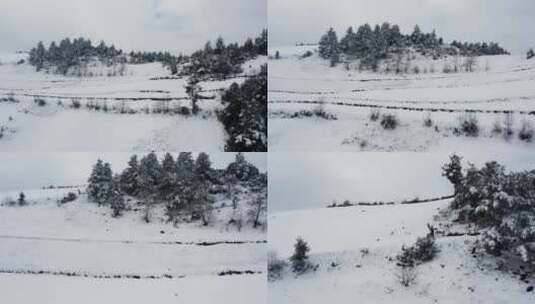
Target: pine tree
x: 299, y: 259
x: 22, y: 199
x: 116, y: 200
x: 530, y: 54
x: 129, y: 177
x: 245, y: 114
x: 148, y: 179
x: 167, y: 188
x: 100, y: 183
x: 203, y: 167
x: 453, y: 171
x: 328, y: 47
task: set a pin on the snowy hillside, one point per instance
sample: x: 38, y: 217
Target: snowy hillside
x: 317, y: 107
x: 145, y: 109
x: 61, y: 235
x: 354, y: 249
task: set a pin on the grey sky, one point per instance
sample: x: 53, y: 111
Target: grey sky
x: 174, y: 25
x: 312, y: 180
x: 510, y: 22
x: 34, y: 170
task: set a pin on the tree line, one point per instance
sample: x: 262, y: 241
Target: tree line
x: 221, y: 60
x: 186, y: 186
x: 67, y: 54
x: 370, y: 45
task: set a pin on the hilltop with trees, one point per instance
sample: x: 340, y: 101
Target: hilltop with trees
x: 189, y: 189
x: 372, y: 44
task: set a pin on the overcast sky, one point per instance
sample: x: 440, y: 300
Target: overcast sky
x: 313, y: 180
x: 174, y: 25
x: 510, y: 22
x: 20, y: 171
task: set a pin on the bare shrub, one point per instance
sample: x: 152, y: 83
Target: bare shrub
x: 407, y: 276
x: 428, y: 122
x: 374, y: 115
x: 469, y: 125
x: 275, y: 266
x: 389, y: 121
x: 508, y: 122
x: 526, y: 132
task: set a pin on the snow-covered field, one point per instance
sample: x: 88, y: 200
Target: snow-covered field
x: 114, y: 113
x: 499, y: 84
x: 355, y: 249
x: 78, y: 252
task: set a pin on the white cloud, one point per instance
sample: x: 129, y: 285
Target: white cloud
x: 510, y: 23
x: 174, y: 25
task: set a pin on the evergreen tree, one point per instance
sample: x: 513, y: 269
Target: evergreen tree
x: 149, y: 177
x: 245, y: 114
x: 203, y: 167
x: 299, y: 259
x: 453, y: 171
x: 100, y: 183
x: 129, y: 177
x: 328, y: 47
x: 530, y: 54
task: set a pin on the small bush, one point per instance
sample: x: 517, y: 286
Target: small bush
x: 526, y: 132
x: 184, y: 111
x: 21, y: 201
x: 407, y: 276
x: 423, y: 250
x: 319, y: 111
x: 276, y: 267
x: 389, y: 121
x: 9, y: 201
x: 374, y: 115
x: 307, y: 54
x: 70, y: 197
x: 469, y: 125
x: 75, y: 104
x: 40, y: 102
x: 428, y: 122
x: 497, y: 127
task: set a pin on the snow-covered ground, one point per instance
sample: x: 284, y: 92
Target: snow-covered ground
x: 362, y: 242
x: 154, y: 260
x: 78, y: 252
x: 498, y: 84
x: 355, y: 248
x: 124, y: 119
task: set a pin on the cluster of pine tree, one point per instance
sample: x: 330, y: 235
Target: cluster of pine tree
x: 186, y: 186
x: 222, y: 60
x: 479, y: 48
x: 370, y: 45
x: 501, y: 204
x: 69, y: 53
x: 245, y: 114
x: 167, y: 59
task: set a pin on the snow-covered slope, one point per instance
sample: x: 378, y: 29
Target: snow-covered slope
x: 79, y: 244
x: 355, y: 249
x: 499, y: 84
x: 145, y: 109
